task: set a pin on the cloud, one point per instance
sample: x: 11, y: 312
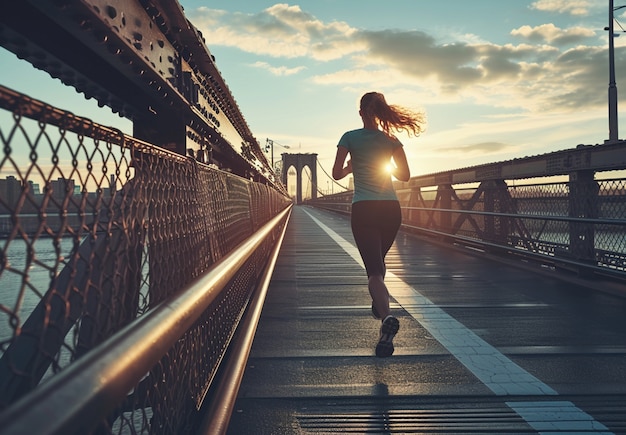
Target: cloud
x: 551, y: 69
x: 550, y: 34
x: 418, y: 54
x: 572, y: 7
x: 278, y: 71
x: 279, y: 31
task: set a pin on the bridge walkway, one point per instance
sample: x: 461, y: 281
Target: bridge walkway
x: 482, y: 347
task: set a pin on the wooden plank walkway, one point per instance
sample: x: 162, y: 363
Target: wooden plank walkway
x: 482, y: 347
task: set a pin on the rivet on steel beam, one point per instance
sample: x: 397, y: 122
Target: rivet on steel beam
x: 111, y: 11
x: 101, y: 37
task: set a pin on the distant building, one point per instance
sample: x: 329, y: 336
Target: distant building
x: 61, y: 187
x: 34, y: 188
x: 10, y: 190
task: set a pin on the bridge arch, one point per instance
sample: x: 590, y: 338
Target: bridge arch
x: 299, y: 162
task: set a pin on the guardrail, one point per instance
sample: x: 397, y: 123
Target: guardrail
x: 125, y: 270
x: 564, y: 210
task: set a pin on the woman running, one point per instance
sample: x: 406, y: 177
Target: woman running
x: 375, y: 156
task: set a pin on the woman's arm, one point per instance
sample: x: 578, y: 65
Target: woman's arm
x: 339, y: 170
x: 401, y: 170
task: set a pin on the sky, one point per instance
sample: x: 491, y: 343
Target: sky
x: 496, y: 79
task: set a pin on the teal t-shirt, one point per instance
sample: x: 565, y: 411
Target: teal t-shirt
x: 370, y: 152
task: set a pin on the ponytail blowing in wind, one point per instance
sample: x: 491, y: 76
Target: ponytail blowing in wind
x: 391, y: 117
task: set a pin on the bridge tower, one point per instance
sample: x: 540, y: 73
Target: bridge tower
x: 299, y: 162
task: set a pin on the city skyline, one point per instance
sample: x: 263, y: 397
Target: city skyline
x: 12, y: 184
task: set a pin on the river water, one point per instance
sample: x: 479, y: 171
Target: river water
x: 22, y: 287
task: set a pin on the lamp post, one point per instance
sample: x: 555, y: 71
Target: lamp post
x: 613, y: 126
x: 269, y: 145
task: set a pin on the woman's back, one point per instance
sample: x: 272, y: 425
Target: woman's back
x: 371, y: 152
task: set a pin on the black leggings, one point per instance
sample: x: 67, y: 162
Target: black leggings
x: 374, y: 226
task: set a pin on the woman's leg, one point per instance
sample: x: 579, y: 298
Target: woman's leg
x: 374, y: 236
x: 389, y: 226
x: 390, y: 218
x: 374, y: 227
x: 380, y: 295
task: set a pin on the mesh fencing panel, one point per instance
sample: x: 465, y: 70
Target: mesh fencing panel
x: 97, y: 228
x: 580, y: 222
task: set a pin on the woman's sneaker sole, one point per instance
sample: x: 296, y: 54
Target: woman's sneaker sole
x: 388, y: 330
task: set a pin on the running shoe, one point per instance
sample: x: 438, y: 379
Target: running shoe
x: 388, y: 330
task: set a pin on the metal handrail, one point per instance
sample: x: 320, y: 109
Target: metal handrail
x: 218, y: 412
x: 524, y: 216
x: 85, y: 392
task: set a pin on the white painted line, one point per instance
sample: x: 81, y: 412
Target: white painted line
x: 496, y: 371
x: 550, y: 417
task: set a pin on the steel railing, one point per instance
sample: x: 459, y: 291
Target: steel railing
x: 100, y: 235
x: 86, y: 392
x: 572, y: 220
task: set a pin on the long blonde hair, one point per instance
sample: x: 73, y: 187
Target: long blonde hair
x: 391, y: 117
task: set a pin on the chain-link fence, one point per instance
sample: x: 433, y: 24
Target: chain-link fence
x: 97, y: 229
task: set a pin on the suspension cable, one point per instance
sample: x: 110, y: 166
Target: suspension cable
x: 331, y: 178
